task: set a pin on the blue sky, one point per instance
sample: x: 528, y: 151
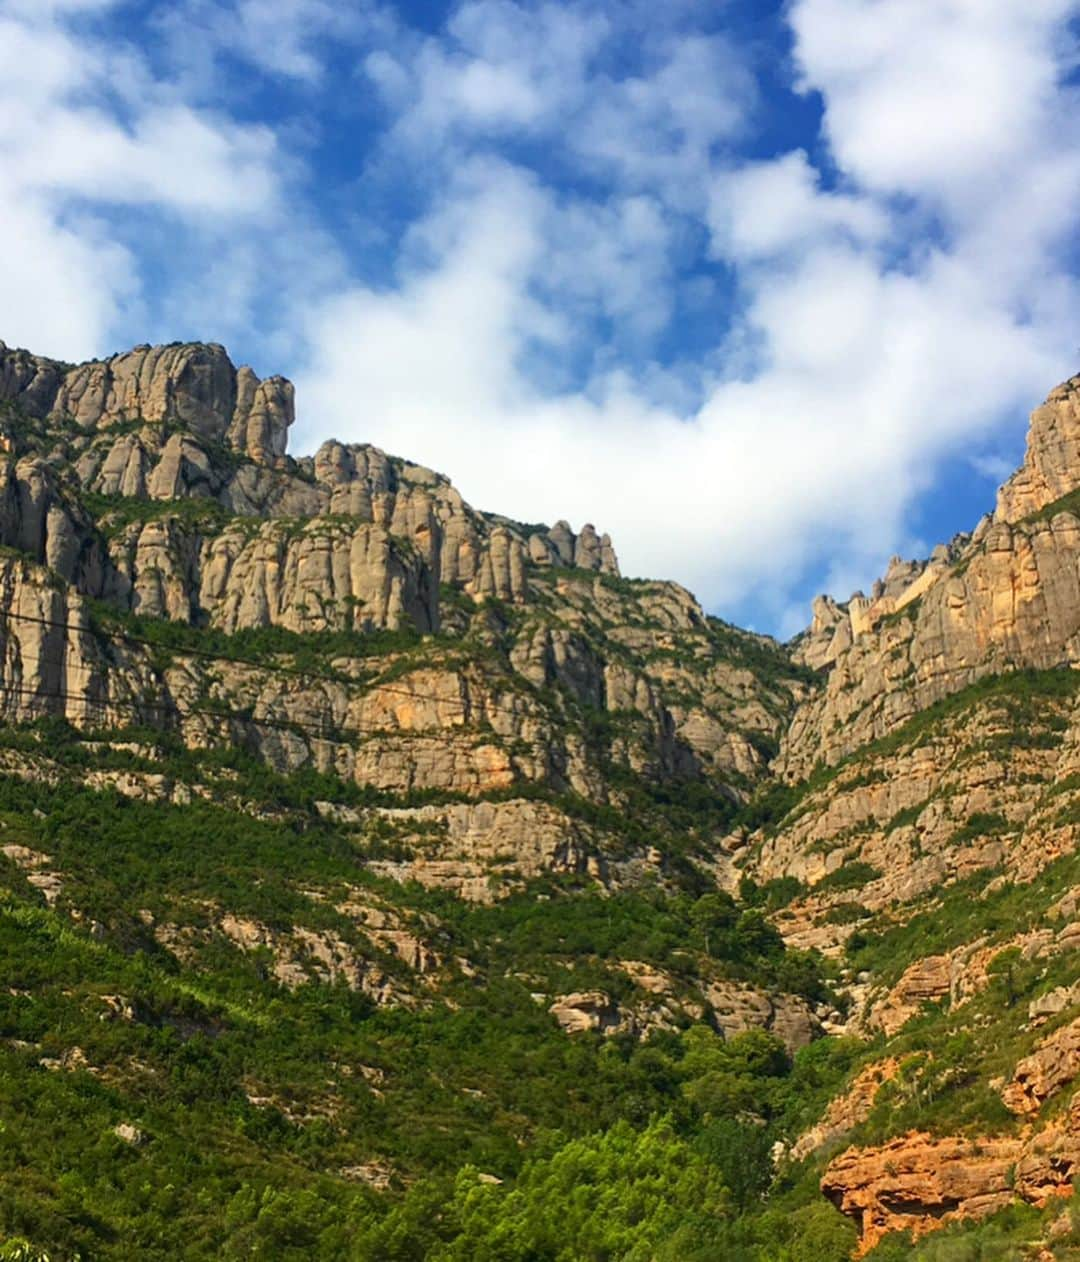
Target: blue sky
x: 765, y: 290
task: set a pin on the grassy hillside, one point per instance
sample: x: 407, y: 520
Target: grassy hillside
x: 309, y: 1121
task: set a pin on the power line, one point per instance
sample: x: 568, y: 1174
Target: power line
x: 293, y: 726
x: 147, y: 642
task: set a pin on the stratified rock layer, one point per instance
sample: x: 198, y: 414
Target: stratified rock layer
x: 1006, y: 596
x: 156, y: 485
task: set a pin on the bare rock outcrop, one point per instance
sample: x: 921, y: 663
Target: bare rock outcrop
x: 153, y: 423
x: 731, y: 1008
x: 734, y: 1007
x: 1053, y: 1065
x: 846, y: 1111
x: 1008, y: 595
x: 1051, y: 467
x: 967, y: 792
x: 587, y: 1010
x: 919, y: 1183
x: 486, y: 850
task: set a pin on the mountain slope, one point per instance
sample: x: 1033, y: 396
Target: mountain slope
x: 170, y: 565
x: 385, y: 879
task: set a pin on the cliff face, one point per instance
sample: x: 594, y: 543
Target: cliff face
x: 1006, y: 596
x: 154, y: 489
x: 180, y: 423
x: 462, y: 708
x: 925, y: 837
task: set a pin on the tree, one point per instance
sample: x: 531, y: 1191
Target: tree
x: 712, y: 916
x: 1003, y: 968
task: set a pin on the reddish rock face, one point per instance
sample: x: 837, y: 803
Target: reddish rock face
x: 1038, y: 1076
x: 848, y: 1110
x: 919, y: 1183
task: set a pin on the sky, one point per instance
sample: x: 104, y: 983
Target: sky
x: 764, y: 290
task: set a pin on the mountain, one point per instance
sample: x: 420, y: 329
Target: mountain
x: 382, y: 878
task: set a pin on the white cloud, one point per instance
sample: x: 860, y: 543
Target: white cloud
x: 939, y: 98
x: 52, y: 8
x: 765, y: 209
x: 886, y: 303
x: 86, y: 131
x: 172, y: 157
x: 283, y: 38
x: 659, y: 130
x: 500, y: 67
x: 867, y: 348
x: 873, y: 376
x: 541, y: 72
x: 60, y: 288
x: 993, y: 467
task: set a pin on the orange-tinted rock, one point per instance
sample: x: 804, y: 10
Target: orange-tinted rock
x: 1051, y: 1160
x: 1050, y: 1067
x: 918, y: 1183
x: 847, y: 1110
x: 926, y: 981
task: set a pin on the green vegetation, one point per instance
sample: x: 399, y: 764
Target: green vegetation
x: 961, y: 912
x: 852, y: 876
x: 250, y: 1100
x: 904, y: 817
x: 980, y: 824
x: 1069, y: 503
x: 263, y: 1114
x: 764, y: 656
x: 1012, y: 1233
x: 772, y: 895
x: 1025, y: 698
x: 292, y: 1088
x: 116, y: 512
x: 846, y: 914
x: 309, y: 650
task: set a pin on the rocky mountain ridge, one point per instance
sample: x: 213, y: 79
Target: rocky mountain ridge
x: 153, y: 490
x: 417, y: 727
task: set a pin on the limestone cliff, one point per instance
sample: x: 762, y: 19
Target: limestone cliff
x: 155, y: 489
x: 1005, y: 596
x: 463, y: 707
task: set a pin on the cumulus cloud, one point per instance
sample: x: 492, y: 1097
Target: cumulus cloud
x: 872, y: 377
x: 101, y: 159
x: 940, y: 98
x: 886, y: 307
x: 285, y: 38
x: 499, y: 67
x: 604, y: 290
x: 766, y: 209
x: 649, y: 121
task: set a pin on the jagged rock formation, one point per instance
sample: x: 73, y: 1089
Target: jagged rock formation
x: 1053, y: 1065
x: 156, y: 485
x: 934, y: 804
x: 919, y: 1183
x: 181, y: 423
x: 481, y: 706
x: 1006, y: 596
x: 1048, y: 473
